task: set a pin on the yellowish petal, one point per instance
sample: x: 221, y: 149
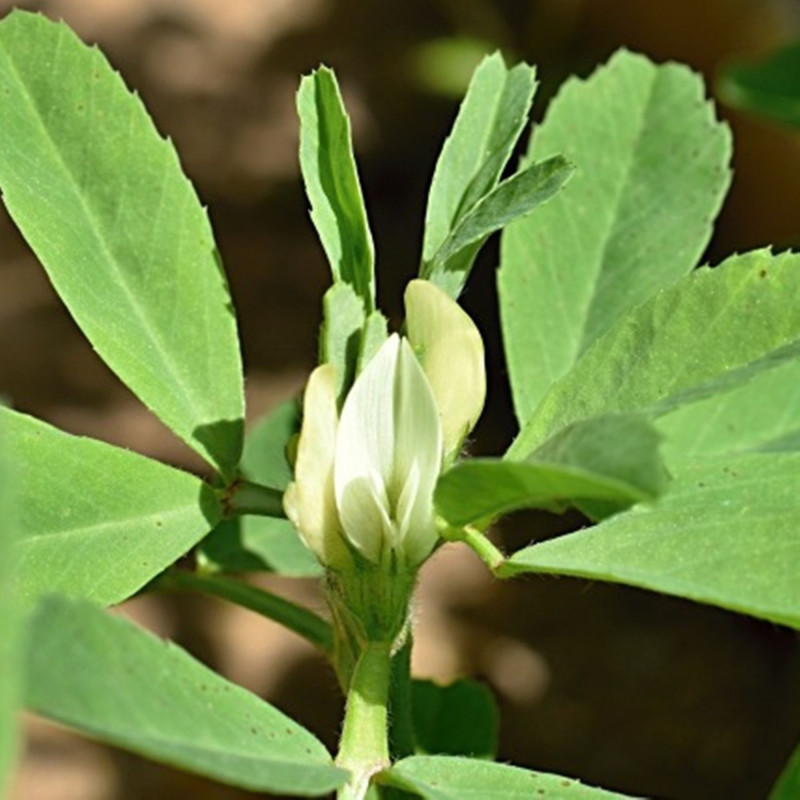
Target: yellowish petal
x: 450, y: 348
x: 309, y: 501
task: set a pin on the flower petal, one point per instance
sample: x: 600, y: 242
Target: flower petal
x: 417, y: 458
x: 450, y: 348
x: 388, y: 457
x: 364, y: 453
x: 309, y: 501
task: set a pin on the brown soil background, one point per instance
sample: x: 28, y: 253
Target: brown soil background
x: 645, y: 694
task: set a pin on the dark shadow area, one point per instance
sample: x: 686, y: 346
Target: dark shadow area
x: 223, y: 440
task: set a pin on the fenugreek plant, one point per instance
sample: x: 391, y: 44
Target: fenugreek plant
x: 660, y: 400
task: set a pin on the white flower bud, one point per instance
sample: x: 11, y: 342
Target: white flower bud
x: 388, y: 458
x: 368, y: 478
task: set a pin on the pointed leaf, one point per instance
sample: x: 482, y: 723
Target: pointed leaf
x: 376, y: 332
x: 255, y: 543
x: 725, y: 533
x: 769, y: 87
x: 97, y: 521
x: 332, y: 186
x: 189, y: 717
x: 612, y: 461
x: 489, y: 123
x: 10, y: 616
x: 622, y: 446
x: 478, y: 488
x: 652, y: 172
x: 460, y: 719
x: 265, y: 451
x: 788, y: 785
x: 454, y: 778
x: 342, y: 334
x: 714, y: 330
x: 102, y: 201
x: 514, y: 197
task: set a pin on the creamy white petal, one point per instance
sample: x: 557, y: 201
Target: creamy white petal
x: 365, y: 517
x: 364, y: 453
x: 451, y: 350
x: 418, y: 456
x: 405, y: 504
x: 309, y: 501
x: 388, y: 456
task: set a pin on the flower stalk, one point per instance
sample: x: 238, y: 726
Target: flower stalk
x: 364, y: 744
x: 480, y: 544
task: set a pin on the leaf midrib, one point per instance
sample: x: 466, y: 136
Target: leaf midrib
x: 460, y: 211
x: 95, y: 528
x: 581, y: 333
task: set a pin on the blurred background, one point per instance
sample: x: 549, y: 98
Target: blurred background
x: 644, y: 694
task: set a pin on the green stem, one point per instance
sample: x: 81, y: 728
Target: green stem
x: 244, y: 497
x: 491, y: 555
x: 364, y: 745
x: 401, y: 725
x: 303, y: 622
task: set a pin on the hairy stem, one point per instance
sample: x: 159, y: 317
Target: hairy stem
x: 364, y: 745
x: 244, y: 497
x: 303, y: 622
x: 489, y: 553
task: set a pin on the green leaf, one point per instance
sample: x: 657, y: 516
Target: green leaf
x: 612, y: 461
x: 714, y: 330
x: 10, y: 613
x: 454, y: 778
x: 514, y: 197
x: 620, y: 446
x: 102, y: 201
x: 725, y: 533
x: 265, y: 451
x: 788, y: 785
x: 254, y: 543
x: 342, y: 334
x: 489, y: 123
x: 652, y: 172
x: 458, y: 720
x: 482, y: 488
x: 769, y: 87
x: 97, y: 521
x: 762, y: 415
x: 376, y: 332
x: 332, y: 186
x: 189, y: 716
x: 259, y: 544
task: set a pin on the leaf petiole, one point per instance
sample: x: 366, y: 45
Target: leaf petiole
x: 245, y: 497
x: 300, y: 620
x: 481, y: 545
